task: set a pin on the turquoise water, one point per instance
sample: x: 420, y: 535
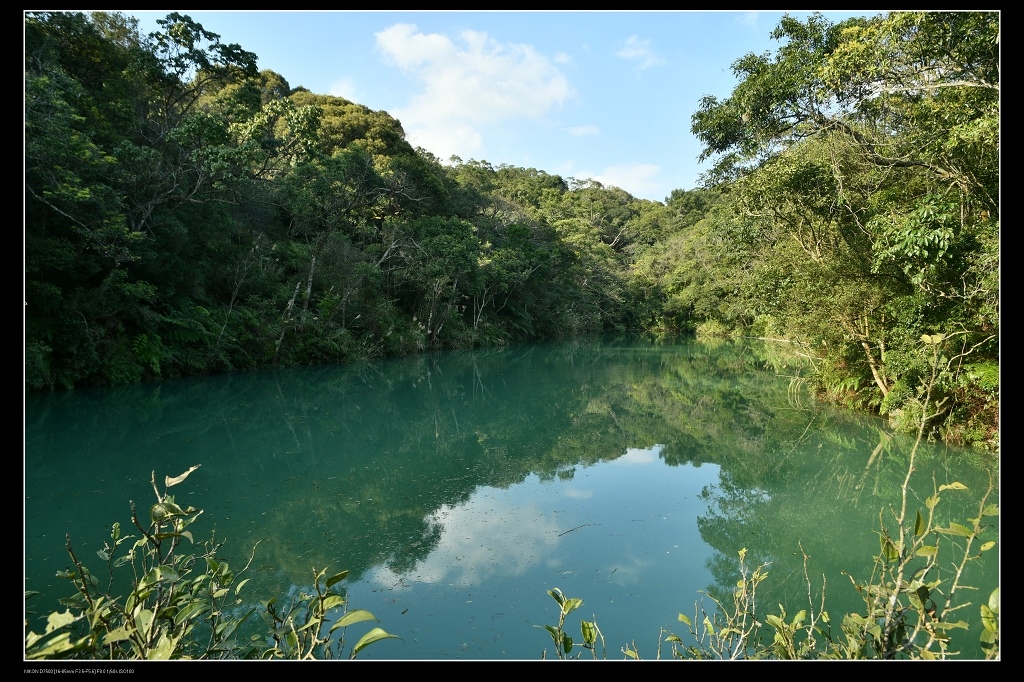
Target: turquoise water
x: 458, y: 488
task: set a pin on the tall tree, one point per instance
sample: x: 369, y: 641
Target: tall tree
x: 871, y: 147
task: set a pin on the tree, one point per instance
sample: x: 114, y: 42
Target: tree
x: 869, y: 150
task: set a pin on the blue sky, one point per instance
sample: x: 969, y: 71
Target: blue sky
x: 601, y: 95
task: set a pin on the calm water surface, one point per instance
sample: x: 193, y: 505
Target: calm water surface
x: 458, y: 488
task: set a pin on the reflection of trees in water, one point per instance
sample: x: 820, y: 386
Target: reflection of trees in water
x: 415, y: 436
x: 347, y: 466
x: 349, y: 462
x: 831, y: 513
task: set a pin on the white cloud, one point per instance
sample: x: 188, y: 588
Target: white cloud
x: 639, y: 179
x: 468, y: 86
x: 344, y: 88
x: 577, y: 494
x: 577, y: 131
x: 641, y: 52
x: 467, y: 552
x: 640, y: 456
x: 748, y: 19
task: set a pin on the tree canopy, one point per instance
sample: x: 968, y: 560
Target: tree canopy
x: 187, y: 213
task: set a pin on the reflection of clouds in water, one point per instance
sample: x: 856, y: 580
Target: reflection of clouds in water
x: 640, y: 456
x: 629, y: 572
x: 485, y: 538
x: 577, y: 494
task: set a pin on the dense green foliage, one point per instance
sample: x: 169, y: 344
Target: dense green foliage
x: 186, y: 213
x: 863, y: 195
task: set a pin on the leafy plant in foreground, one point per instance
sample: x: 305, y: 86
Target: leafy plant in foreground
x: 910, y: 606
x: 183, y: 602
x: 296, y: 630
x: 563, y: 642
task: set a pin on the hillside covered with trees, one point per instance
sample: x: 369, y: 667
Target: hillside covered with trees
x: 187, y: 213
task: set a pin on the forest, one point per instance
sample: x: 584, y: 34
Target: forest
x: 187, y: 213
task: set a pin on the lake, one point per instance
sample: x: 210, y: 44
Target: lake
x: 457, y: 488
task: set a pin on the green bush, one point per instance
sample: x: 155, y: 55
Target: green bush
x: 712, y: 329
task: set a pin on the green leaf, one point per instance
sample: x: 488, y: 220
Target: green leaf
x: 144, y: 618
x: 589, y: 631
x: 165, y: 536
x: 922, y: 594
x: 168, y: 481
x: 557, y: 595
x: 57, y: 620
x: 159, y: 574
x: 191, y: 612
x: 374, y: 635
x: 684, y: 619
x: 955, y: 529
x: 238, y: 587
x: 918, y: 524
x: 927, y: 550
x: 333, y: 601
x: 989, y: 619
x: 958, y: 625
x: 566, y: 643
x: 673, y: 638
x: 118, y: 635
x: 571, y: 605
x: 55, y: 648
x: 991, y: 510
x: 889, y: 550
x: 955, y: 485
x: 986, y: 546
x: 162, y: 511
x: 988, y: 639
x: 313, y: 622
x: 336, y: 578
x: 932, y: 501
x: 357, y: 616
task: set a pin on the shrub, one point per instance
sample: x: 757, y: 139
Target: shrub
x: 180, y: 602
